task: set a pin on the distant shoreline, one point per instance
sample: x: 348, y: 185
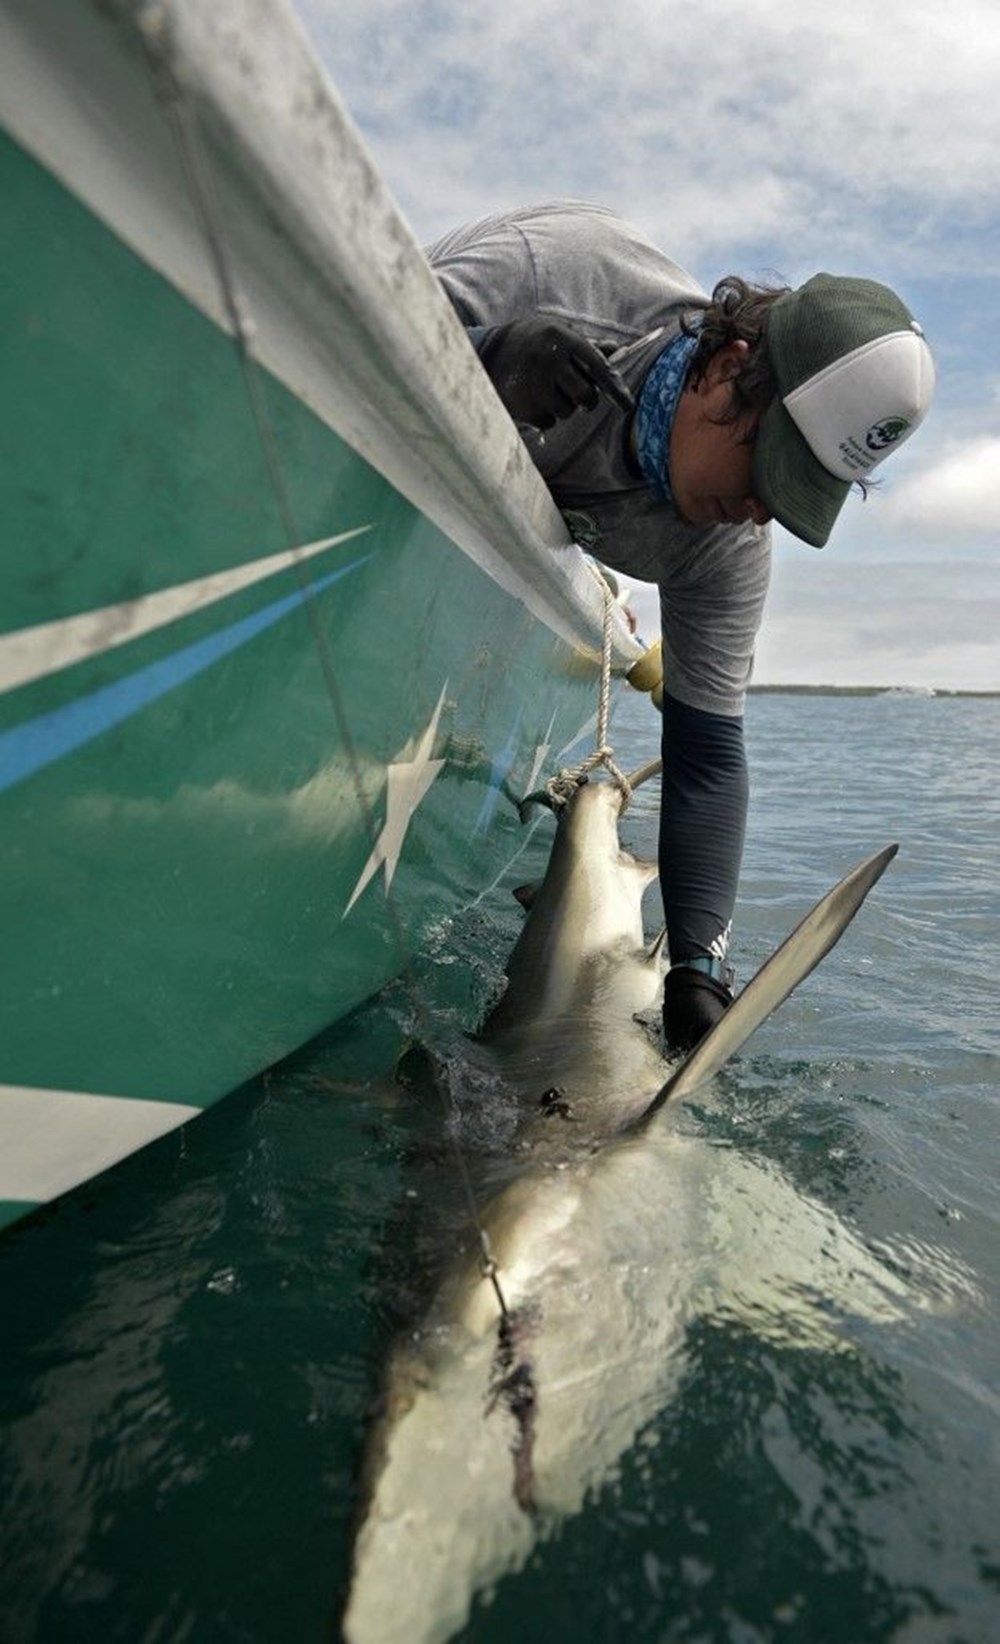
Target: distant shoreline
x: 863, y: 690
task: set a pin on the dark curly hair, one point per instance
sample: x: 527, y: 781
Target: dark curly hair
x: 738, y: 312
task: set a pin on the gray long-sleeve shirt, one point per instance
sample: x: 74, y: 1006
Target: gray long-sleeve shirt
x: 583, y: 264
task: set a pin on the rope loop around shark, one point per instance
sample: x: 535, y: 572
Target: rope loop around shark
x: 613, y: 1229
x: 559, y: 789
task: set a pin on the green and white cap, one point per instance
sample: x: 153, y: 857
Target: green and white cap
x: 855, y: 378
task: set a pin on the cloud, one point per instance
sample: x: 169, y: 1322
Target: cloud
x: 848, y: 132
x: 893, y: 624
x: 957, y: 495
x: 751, y: 139
x: 748, y: 139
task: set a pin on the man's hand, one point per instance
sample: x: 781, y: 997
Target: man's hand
x: 692, y: 1003
x: 543, y: 371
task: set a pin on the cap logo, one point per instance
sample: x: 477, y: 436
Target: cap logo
x: 886, y: 432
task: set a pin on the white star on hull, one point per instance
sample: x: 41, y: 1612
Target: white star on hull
x: 541, y: 755
x: 408, y: 782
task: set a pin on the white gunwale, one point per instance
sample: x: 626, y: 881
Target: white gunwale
x: 343, y: 306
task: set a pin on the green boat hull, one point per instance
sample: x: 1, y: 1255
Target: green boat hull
x: 239, y: 784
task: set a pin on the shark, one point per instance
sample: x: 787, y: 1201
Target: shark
x: 604, y: 1229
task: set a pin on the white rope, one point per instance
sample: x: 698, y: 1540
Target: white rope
x: 561, y: 787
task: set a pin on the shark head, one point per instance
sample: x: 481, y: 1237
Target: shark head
x: 579, y: 974
x: 589, y: 905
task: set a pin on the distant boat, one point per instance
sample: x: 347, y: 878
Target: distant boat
x: 910, y: 690
x: 288, y: 618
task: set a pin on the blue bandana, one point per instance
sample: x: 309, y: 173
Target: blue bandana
x: 654, y: 417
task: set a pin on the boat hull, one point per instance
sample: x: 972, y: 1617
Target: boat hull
x: 262, y: 720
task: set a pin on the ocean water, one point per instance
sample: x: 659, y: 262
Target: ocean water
x: 191, y: 1344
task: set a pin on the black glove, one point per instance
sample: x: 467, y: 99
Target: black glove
x: 544, y: 370
x: 692, y: 1003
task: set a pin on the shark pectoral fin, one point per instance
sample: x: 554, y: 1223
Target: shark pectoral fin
x: 789, y: 965
x: 644, y: 772
x: 525, y: 894
x: 421, y: 1073
x: 645, y: 872
x: 540, y: 797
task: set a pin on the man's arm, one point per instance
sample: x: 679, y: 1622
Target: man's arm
x: 702, y: 826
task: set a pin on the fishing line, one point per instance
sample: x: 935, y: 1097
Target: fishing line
x: 181, y: 118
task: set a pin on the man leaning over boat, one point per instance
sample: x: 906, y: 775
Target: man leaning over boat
x: 671, y: 427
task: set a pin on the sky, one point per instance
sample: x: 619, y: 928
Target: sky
x: 757, y: 139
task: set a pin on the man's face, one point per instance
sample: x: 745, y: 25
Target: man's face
x: 711, y: 463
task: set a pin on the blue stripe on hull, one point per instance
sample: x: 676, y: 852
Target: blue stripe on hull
x: 30, y: 747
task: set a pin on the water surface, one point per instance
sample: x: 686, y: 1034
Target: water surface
x: 191, y: 1343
